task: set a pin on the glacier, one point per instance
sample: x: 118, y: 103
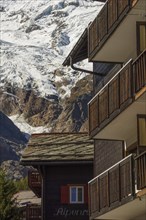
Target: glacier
x: 36, y: 36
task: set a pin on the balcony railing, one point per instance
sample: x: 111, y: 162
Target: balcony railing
x: 117, y: 94
x: 35, y: 182
x: 32, y: 212
x: 106, y: 21
x: 112, y: 188
x: 141, y: 171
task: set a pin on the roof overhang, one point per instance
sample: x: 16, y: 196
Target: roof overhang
x: 54, y: 163
x: 79, y: 51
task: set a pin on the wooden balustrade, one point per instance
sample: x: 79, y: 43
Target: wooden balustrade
x: 34, y: 179
x: 141, y: 171
x: 118, y: 93
x: 112, y: 97
x: 113, y: 187
x: 33, y: 212
x: 108, y: 19
x: 35, y: 182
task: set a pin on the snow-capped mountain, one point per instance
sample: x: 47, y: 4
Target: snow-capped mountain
x: 36, y: 36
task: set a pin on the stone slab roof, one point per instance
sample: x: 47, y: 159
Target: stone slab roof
x: 27, y: 197
x: 55, y: 147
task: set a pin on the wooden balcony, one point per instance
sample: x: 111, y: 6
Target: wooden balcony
x: 116, y: 188
x: 32, y: 212
x: 123, y: 89
x: 113, y: 187
x: 35, y: 182
x: 106, y: 22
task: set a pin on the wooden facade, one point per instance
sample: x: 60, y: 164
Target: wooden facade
x: 56, y: 195
x: 119, y: 177
x: 117, y: 94
x: 106, y: 154
x: 65, y: 165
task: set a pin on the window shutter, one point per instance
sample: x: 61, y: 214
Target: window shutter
x: 86, y: 193
x: 64, y: 194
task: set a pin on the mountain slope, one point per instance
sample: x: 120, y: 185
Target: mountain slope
x: 12, y: 140
x: 36, y: 36
x: 9, y: 131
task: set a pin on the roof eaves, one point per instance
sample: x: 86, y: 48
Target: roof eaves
x: 54, y: 163
x: 79, y: 51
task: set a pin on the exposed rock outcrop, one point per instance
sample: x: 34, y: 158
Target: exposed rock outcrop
x: 68, y: 114
x: 14, y: 170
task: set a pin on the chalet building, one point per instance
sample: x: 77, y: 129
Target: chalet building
x: 29, y: 205
x: 116, y: 44
x: 63, y: 164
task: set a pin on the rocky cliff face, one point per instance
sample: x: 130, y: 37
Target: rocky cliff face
x: 35, y: 40
x: 74, y: 113
x: 67, y: 114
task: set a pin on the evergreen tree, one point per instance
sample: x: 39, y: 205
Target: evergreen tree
x: 21, y: 184
x: 8, y: 208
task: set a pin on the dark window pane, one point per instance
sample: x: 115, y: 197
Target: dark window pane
x: 80, y: 194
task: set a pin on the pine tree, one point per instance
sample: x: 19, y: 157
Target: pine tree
x: 21, y: 184
x: 8, y: 208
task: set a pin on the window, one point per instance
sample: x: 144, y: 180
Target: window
x: 142, y: 130
x: 141, y: 36
x: 76, y: 194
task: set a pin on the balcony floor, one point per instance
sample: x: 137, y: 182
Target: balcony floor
x: 124, y: 125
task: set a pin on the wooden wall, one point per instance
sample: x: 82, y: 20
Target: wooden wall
x: 57, y: 176
x: 107, y: 153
